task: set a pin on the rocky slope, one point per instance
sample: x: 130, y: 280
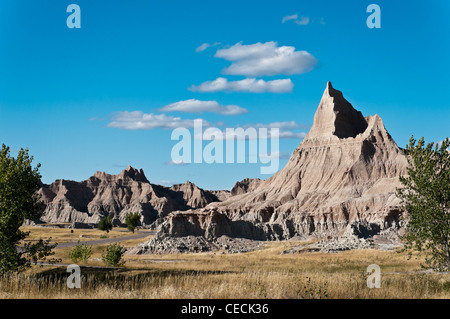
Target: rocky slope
x: 341, y: 179
x: 130, y: 191
x: 245, y: 186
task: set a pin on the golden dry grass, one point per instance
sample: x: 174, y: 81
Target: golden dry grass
x: 64, y: 235
x: 265, y: 273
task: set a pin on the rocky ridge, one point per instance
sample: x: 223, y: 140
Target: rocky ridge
x: 342, y: 176
x: 87, y: 201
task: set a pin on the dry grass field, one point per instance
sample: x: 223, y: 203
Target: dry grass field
x: 63, y: 235
x: 264, y: 273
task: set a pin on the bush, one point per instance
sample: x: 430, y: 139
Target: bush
x: 113, y: 255
x: 80, y: 252
x: 105, y: 224
x: 132, y: 221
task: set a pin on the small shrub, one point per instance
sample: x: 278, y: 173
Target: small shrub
x: 80, y: 252
x: 105, y: 223
x: 132, y: 221
x: 113, y: 255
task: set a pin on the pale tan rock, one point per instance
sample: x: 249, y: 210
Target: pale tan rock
x: 194, y: 196
x: 344, y: 173
x: 245, y: 186
x: 130, y: 191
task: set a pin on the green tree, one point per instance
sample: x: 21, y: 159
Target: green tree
x: 80, y: 252
x: 132, y: 221
x: 105, y: 223
x: 426, y: 198
x: 113, y: 255
x: 19, y: 182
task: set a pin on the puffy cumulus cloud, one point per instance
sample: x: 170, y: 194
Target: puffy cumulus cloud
x: 137, y: 120
x: 251, y: 85
x: 197, y: 106
x: 265, y: 59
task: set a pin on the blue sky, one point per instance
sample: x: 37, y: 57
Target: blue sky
x: 65, y: 93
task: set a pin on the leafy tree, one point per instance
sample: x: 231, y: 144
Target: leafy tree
x: 19, y: 182
x: 426, y: 198
x: 105, y: 223
x: 113, y: 255
x: 80, y: 252
x: 132, y: 221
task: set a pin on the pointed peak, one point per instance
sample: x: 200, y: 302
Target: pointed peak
x: 336, y: 116
x: 133, y: 173
x: 190, y: 184
x: 330, y: 91
x: 129, y: 171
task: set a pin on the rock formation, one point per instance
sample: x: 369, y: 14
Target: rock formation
x: 130, y: 191
x: 245, y: 186
x: 342, y: 178
x: 192, y: 195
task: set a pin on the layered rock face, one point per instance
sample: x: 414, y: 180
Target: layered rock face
x: 245, y: 186
x: 342, y: 178
x: 130, y: 191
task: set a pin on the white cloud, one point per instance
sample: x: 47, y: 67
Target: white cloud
x: 202, y: 47
x: 197, y: 106
x: 294, y: 17
x: 266, y: 59
x: 251, y: 131
x: 287, y: 18
x: 165, y: 182
x: 292, y: 135
x: 246, y: 85
x: 205, y: 46
x: 285, y: 129
x: 302, y: 21
x: 138, y: 120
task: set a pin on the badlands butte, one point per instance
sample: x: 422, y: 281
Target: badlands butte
x: 338, y: 187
